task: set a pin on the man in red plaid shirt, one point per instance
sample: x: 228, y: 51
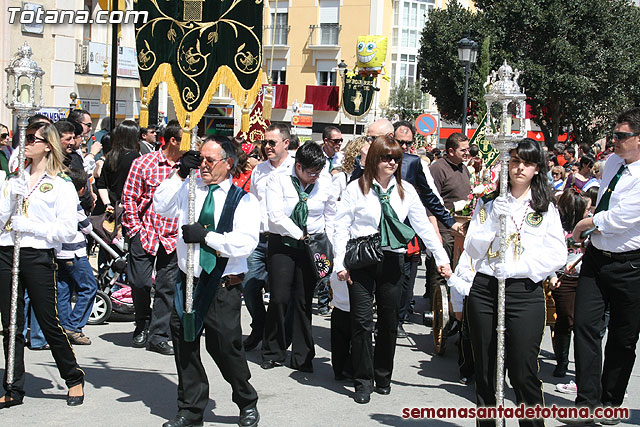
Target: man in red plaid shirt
x: 153, y: 243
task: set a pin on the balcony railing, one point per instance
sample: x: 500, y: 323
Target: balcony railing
x: 324, y: 34
x: 276, y: 34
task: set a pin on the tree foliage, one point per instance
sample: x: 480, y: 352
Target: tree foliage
x: 580, y: 61
x: 440, y: 71
x: 405, y: 101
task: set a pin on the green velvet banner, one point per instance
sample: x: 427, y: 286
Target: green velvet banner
x: 357, y: 94
x: 195, y: 46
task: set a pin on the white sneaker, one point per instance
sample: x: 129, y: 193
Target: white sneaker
x: 570, y: 388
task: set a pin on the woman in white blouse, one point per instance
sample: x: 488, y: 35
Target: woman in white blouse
x: 49, y: 218
x: 536, y: 248
x: 298, y: 203
x: 364, y: 207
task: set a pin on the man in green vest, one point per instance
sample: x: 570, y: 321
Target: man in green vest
x: 225, y: 233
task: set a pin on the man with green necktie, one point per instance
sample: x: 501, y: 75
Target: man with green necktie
x: 225, y: 233
x: 610, y: 275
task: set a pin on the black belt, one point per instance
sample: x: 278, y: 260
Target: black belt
x: 618, y: 256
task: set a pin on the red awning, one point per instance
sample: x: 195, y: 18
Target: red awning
x: 323, y: 98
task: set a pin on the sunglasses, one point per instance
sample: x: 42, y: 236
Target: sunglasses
x: 386, y: 158
x: 336, y: 140
x: 621, y: 136
x: 3, y: 135
x: 556, y: 173
x: 270, y: 142
x: 88, y: 124
x: 311, y: 174
x: 32, y: 139
x: 407, y: 143
x: 369, y: 139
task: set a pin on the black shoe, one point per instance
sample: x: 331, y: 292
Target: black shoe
x: 269, y: 364
x: 75, y: 400
x: 324, y: 311
x: 162, y: 348
x: 362, y: 397
x: 401, y: 332
x: 249, y: 417
x: 251, y: 342
x: 382, y: 390
x: 465, y: 380
x: 181, y: 421
x: 10, y: 403
x: 139, y: 339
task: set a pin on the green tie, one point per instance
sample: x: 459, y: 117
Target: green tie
x: 4, y: 163
x: 207, y: 220
x: 603, y: 205
x: 300, y: 212
x: 330, y: 162
x: 393, y: 233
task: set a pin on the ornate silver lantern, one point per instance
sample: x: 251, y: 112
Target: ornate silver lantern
x: 505, y: 113
x: 24, y: 97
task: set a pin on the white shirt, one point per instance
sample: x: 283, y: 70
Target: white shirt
x: 430, y: 181
x: 282, y: 198
x: 88, y: 161
x: 543, y: 246
x: 620, y: 224
x: 336, y: 162
x: 259, y: 178
x: 171, y: 200
x: 461, y: 280
x: 339, y: 293
x: 359, y: 215
x: 52, y: 205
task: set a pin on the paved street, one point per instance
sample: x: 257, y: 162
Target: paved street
x: 134, y: 387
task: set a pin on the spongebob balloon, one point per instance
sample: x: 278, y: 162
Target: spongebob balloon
x: 371, y: 53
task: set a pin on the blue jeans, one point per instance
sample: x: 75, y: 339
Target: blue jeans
x: 75, y: 275
x: 36, y: 337
x: 252, y: 285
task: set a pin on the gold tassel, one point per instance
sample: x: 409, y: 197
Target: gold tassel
x: 144, y: 109
x: 185, y: 143
x: 268, y: 103
x: 244, y: 126
x: 105, y: 92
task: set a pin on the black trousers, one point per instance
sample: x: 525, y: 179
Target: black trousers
x: 38, y: 277
x: 291, y: 281
x: 383, y: 281
x: 564, y: 298
x: 524, y: 322
x: 139, y: 270
x: 465, y: 351
x: 341, y: 342
x: 605, y: 281
x: 223, y: 341
x: 411, y: 264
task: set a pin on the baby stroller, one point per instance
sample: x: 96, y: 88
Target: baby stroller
x: 113, y: 294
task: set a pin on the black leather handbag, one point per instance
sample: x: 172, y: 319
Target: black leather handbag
x: 363, y: 252
x: 320, y: 252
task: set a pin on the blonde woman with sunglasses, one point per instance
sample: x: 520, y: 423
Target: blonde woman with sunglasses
x: 49, y: 218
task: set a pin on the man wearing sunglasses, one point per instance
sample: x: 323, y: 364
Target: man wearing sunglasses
x: 413, y: 172
x: 276, y: 144
x: 332, y: 141
x: 610, y: 275
x: 83, y: 118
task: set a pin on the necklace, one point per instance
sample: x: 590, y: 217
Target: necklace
x: 25, y: 203
x: 515, y: 238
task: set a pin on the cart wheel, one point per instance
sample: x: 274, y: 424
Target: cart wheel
x: 101, y: 310
x: 440, y: 307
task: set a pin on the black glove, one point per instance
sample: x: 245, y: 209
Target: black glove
x: 189, y: 160
x: 194, y: 233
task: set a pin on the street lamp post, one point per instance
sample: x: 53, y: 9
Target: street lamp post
x: 342, y: 69
x: 506, y: 107
x: 24, y: 97
x: 467, y: 53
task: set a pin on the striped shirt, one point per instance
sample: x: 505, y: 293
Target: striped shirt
x: 145, y: 175
x: 78, y: 246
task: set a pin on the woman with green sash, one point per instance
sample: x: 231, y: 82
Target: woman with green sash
x: 379, y: 202
x: 298, y: 204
